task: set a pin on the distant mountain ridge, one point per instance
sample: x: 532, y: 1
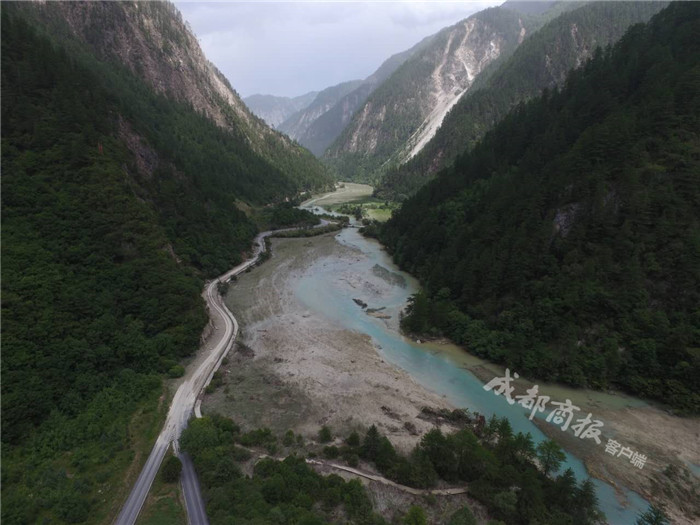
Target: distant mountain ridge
x: 541, y: 61
x: 152, y: 40
x: 403, y: 113
x: 566, y: 242
x: 318, y: 125
x: 296, y: 125
x: 274, y: 110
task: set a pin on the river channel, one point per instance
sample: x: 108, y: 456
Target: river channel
x: 323, y: 290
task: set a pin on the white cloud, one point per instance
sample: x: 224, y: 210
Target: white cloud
x: 289, y: 48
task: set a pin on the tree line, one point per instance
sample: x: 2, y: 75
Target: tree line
x: 566, y: 243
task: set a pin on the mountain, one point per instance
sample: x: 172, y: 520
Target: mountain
x: 296, y: 124
x: 153, y: 42
x: 317, y: 126
x: 275, y: 110
x: 541, y: 61
x: 529, y: 8
x: 127, y: 159
x: 566, y: 243
x: 403, y: 113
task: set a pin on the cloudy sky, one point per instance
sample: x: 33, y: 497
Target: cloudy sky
x: 288, y: 48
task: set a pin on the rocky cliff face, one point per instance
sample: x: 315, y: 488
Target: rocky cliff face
x: 542, y: 61
x: 153, y: 42
x: 322, y: 131
x: 317, y: 126
x: 403, y: 114
x: 468, y: 50
x: 296, y: 125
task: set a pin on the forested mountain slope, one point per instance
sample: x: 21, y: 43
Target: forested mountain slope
x: 154, y: 43
x: 317, y: 126
x: 541, y: 61
x: 566, y: 244
x: 275, y: 110
x: 118, y: 197
x: 403, y: 113
x: 298, y: 123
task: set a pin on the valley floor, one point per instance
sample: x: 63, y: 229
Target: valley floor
x: 293, y: 369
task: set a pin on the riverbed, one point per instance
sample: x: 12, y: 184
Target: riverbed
x: 314, y: 355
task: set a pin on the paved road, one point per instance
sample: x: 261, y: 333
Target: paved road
x: 194, y: 504
x: 186, y: 399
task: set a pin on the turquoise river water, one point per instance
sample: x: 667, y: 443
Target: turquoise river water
x: 324, y: 290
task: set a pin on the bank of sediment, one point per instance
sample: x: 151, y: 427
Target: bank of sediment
x: 294, y: 369
x: 313, y: 356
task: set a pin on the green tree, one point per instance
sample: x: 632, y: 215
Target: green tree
x: 371, y: 443
x: 440, y: 451
x: 288, y: 439
x: 171, y: 469
x: 353, y: 440
x: 654, y: 515
x: 585, y: 506
x: 521, y: 229
x: 325, y: 435
x: 415, y: 516
x: 176, y: 371
x: 463, y: 516
x: 550, y: 456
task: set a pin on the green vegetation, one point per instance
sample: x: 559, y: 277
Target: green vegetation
x: 216, y: 381
x: 116, y: 203
x: 415, y: 516
x: 401, y: 102
x: 493, y: 460
x: 366, y: 208
x: 163, y: 505
x: 496, y: 463
x: 541, y: 61
x: 176, y: 371
x: 286, y: 491
x: 653, y: 516
x: 550, y: 455
x: 463, y: 516
x: 330, y: 452
x: 379, y: 214
x: 354, y: 210
x: 566, y: 244
x: 164, y: 511
x: 171, y: 469
x: 286, y: 215
x: 325, y: 435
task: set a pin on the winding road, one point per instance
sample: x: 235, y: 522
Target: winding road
x: 185, y: 400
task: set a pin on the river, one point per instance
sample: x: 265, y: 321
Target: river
x: 322, y: 290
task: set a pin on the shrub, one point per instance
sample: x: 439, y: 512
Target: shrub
x: 330, y: 452
x: 353, y: 440
x: 325, y: 435
x: 463, y: 516
x: 172, y: 467
x: 176, y: 371
x: 288, y: 439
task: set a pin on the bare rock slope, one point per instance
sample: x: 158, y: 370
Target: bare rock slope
x: 404, y: 113
x: 153, y: 41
